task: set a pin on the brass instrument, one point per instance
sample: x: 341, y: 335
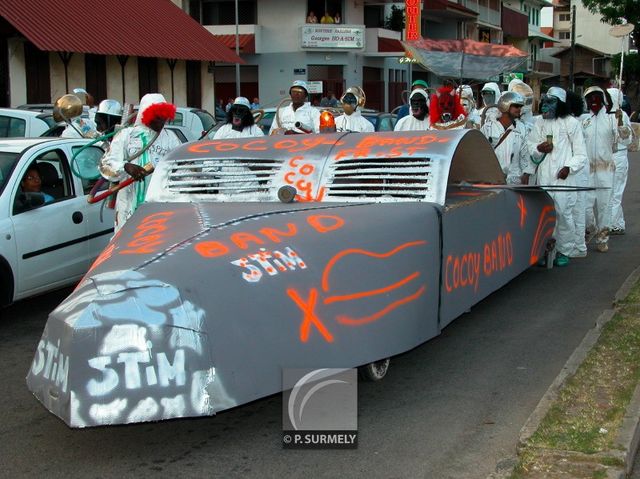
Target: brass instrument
x: 257, y: 115
x: 66, y: 108
x: 279, y: 130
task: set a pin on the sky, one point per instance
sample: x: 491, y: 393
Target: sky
x: 546, y: 17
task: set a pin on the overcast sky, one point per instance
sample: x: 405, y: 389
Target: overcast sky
x: 546, y: 17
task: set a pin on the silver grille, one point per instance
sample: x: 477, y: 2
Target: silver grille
x: 406, y: 178
x: 226, y: 177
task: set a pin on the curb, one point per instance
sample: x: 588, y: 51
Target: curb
x: 628, y: 437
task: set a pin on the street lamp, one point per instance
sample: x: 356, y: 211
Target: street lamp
x: 237, y: 54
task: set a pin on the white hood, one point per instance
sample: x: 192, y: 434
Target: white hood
x: 145, y: 102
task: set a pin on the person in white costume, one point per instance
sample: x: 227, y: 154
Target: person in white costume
x: 557, y: 150
x: 352, y: 120
x: 526, y: 117
x: 621, y: 159
x: 601, y: 132
x: 298, y: 111
x: 508, y: 142
x: 418, y: 118
x: 469, y: 104
x: 147, y: 135
x: 490, y: 95
x: 240, y: 122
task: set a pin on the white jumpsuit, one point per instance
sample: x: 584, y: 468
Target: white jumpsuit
x: 80, y: 125
x: 305, y: 114
x: 227, y: 131
x: 568, y: 150
x: 601, y: 133
x: 512, y: 152
x: 411, y: 123
x: 354, y: 122
x: 621, y: 160
x: 125, y: 145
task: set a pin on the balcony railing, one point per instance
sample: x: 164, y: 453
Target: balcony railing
x: 539, y: 66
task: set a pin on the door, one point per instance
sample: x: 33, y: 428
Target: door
x: 51, y: 237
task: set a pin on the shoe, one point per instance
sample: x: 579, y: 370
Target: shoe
x: 576, y: 253
x: 603, y: 247
x: 589, y: 234
x: 561, y: 260
x: 616, y: 231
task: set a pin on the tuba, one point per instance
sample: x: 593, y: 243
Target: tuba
x: 279, y: 130
x: 67, y: 107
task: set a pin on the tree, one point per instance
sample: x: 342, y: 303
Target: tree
x: 614, y: 12
x: 395, y: 20
x: 631, y: 66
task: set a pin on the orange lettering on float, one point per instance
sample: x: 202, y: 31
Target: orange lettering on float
x: 211, y: 249
x: 105, y: 255
x: 149, y: 234
x: 274, y: 234
x: 523, y: 211
x: 254, y: 146
x: 242, y: 240
x: 325, y: 223
x: 309, y: 316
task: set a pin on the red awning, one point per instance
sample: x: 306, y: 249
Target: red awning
x: 389, y: 45
x: 142, y: 28
x: 247, y: 42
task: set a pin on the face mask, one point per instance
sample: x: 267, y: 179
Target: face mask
x: 237, y: 115
x: 419, y: 108
x: 549, y: 107
x: 594, y: 102
x: 488, y: 98
x: 349, y: 103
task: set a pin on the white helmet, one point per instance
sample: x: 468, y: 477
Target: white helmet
x: 508, y: 99
x: 110, y: 107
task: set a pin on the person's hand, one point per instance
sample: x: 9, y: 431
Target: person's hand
x: 545, y: 147
x: 563, y: 173
x: 135, y: 171
x: 524, y: 179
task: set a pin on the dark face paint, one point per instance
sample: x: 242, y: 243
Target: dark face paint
x: 549, y: 107
x: 594, y: 102
x: 349, y: 103
x: 237, y: 114
x: 418, y: 107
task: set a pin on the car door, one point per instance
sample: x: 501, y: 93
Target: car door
x: 51, y: 238
x: 99, y: 217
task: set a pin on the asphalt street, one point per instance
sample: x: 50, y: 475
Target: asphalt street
x: 451, y: 408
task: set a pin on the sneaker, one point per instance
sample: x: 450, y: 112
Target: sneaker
x: 589, y: 234
x: 616, y: 231
x: 561, y: 260
x: 603, y: 247
x: 576, y: 253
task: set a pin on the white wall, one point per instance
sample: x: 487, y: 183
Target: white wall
x: 17, y: 75
x: 592, y: 33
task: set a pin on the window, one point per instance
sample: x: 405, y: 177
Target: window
x: 564, y: 17
x: 86, y: 164
x: 223, y: 12
x: 12, y: 127
x: 330, y: 6
x: 54, y: 185
x: 564, y: 35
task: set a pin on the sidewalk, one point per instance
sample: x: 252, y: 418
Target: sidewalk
x: 587, y: 425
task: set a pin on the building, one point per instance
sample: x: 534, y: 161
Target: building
x: 119, y: 49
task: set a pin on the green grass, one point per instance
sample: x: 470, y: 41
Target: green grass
x: 590, y: 408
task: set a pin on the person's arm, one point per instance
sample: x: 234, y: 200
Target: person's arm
x: 578, y: 158
x: 112, y: 162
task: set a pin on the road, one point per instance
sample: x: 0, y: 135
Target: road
x: 451, y: 408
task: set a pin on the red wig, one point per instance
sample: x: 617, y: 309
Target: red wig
x: 447, y: 100
x: 164, y: 111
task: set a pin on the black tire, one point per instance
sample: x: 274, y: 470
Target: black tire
x: 375, y: 371
x: 6, y: 284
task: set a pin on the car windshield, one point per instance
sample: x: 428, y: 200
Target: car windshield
x: 7, y: 163
x: 206, y: 118
x: 266, y: 120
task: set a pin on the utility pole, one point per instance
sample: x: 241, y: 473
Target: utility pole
x: 237, y: 53
x: 573, y: 46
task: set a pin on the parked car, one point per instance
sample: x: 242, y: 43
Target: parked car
x: 250, y: 255
x: 47, y: 245
x: 16, y: 123
x: 197, y: 120
x: 183, y: 133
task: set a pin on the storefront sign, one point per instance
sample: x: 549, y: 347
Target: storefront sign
x: 299, y: 71
x: 412, y: 19
x: 507, y: 77
x: 314, y: 87
x: 332, y: 36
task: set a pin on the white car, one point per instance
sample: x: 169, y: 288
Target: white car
x: 197, y: 120
x: 16, y: 123
x: 45, y: 245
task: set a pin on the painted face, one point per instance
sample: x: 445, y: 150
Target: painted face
x: 298, y: 96
x: 488, y: 97
x: 349, y: 103
x: 419, y: 107
x: 515, y: 111
x: 157, y: 124
x: 549, y: 107
x: 467, y: 105
x: 594, y: 102
x: 237, y: 114
x: 447, y: 106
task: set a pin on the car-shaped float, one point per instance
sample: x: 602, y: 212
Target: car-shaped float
x: 219, y: 281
